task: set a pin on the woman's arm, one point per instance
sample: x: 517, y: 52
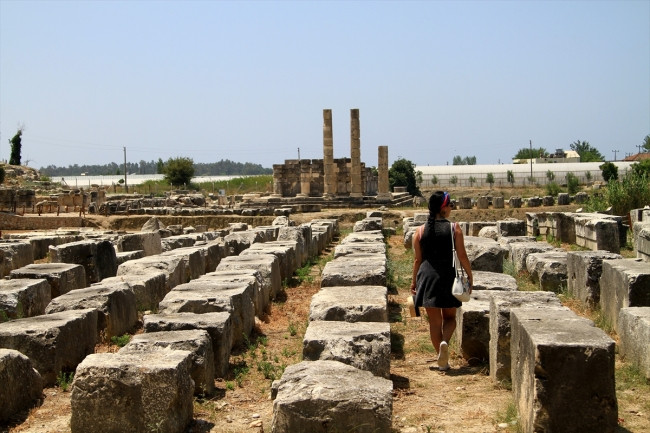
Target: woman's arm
x: 459, y: 244
x: 418, y: 258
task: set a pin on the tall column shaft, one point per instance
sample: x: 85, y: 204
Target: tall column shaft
x: 383, y: 187
x: 329, y: 181
x: 355, y: 153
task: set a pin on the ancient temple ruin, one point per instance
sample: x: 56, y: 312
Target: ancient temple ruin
x: 332, y: 178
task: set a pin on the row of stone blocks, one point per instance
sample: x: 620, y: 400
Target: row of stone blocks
x: 343, y: 383
x: 553, y: 358
x: 58, y: 341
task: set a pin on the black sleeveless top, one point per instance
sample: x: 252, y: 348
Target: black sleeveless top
x: 436, y: 273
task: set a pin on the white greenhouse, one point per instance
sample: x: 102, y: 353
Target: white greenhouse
x: 523, y: 174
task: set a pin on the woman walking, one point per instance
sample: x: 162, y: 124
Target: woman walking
x: 434, y: 273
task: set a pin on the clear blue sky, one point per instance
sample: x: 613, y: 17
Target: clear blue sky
x: 247, y: 81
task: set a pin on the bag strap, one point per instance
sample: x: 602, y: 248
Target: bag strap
x: 454, y: 257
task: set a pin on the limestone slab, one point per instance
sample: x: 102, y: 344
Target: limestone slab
x: 584, y: 269
x: 22, y: 385
x: 134, y: 392
x: 197, y: 342
x: 634, y: 335
x: 364, y: 345
x: 623, y: 283
x: 114, y: 302
x: 350, y: 304
x: 23, y: 297
x: 218, y: 325
x: 328, y: 396
x: 62, y: 277
x: 562, y: 361
x: 355, y: 271
x: 54, y: 342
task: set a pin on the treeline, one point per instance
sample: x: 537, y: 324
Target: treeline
x: 221, y: 168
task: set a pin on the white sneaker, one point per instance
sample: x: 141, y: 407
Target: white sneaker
x: 443, y: 356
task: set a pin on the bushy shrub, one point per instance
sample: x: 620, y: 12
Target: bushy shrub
x: 552, y: 188
x: 572, y: 183
x: 632, y: 192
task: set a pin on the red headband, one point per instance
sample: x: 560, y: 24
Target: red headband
x: 445, y: 200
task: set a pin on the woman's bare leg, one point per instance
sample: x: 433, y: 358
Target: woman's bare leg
x: 435, y: 326
x: 448, y: 323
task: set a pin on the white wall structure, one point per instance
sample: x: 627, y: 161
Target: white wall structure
x: 521, y: 172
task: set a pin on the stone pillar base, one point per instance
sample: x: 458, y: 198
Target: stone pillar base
x: 302, y: 195
x: 276, y: 195
x: 384, y: 197
x: 356, y: 195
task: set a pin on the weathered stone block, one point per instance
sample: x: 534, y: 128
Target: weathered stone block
x: 97, y: 257
x: 54, y: 342
x: 128, y: 255
x: 360, y: 248
x: 23, y: 297
x: 511, y: 227
x: 484, y: 254
x: 350, y: 304
x: 634, y: 335
x: 519, y: 251
x: 22, y: 385
x: 178, y: 241
x: 598, y: 234
x: 15, y: 254
x: 355, y: 271
x: 134, y: 392
x: 364, y: 345
x: 149, y: 288
x: 173, y: 267
x: 301, y: 235
x: 285, y: 251
x: 197, y: 342
x: 267, y: 265
x: 493, y: 281
x: 367, y: 224
x: 584, y: 269
x: 473, y: 327
x: 218, y: 325
x: 623, y: 283
x: 500, y: 357
x: 62, y: 277
x: 239, y: 241
x: 348, y: 399
x: 114, y: 302
x: 149, y: 242
x: 367, y: 236
x: 561, y: 361
x: 476, y: 226
x: 548, y: 269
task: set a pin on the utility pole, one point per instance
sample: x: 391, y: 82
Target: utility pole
x: 298, y: 154
x: 639, y: 146
x: 126, y: 187
x: 530, y: 142
x: 615, y: 154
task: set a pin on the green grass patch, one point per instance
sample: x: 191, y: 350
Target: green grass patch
x: 120, y: 341
x: 64, y: 380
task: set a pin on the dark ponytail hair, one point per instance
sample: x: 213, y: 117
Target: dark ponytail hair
x: 435, y: 203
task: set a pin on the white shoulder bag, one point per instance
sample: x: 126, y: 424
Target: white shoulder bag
x: 460, y: 289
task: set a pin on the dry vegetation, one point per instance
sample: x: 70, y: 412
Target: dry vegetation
x: 425, y: 400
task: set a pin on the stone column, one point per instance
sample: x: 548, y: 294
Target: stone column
x: 383, y: 188
x: 355, y: 154
x: 328, y: 156
x: 278, y: 177
x: 305, y: 178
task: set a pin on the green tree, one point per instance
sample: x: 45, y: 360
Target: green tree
x: 402, y: 173
x: 472, y: 180
x: 510, y: 177
x: 572, y: 183
x: 550, y: 175
x: 588, y: 176
x: 16, y: 145
x: 453, y: 180
x: 160, y: 166
x: 642, y: 167
x: 179, y: 171
x: 587, y: 152
x: 609, y: 171
x: 490, y: 179
x: 434, y: 180
x: 468, y: 160
x: 2, y: 174
x: 527, y: 153
x: 646, y: 143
